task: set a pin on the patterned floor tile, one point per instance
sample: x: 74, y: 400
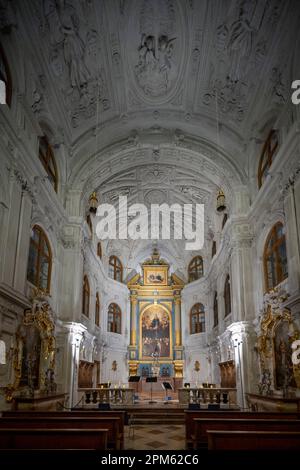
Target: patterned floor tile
x: 171, y: 437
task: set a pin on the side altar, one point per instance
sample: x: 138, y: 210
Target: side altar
x: 155, y: 322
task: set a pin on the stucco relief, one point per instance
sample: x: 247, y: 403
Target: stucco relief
x: 156, y: 58
x: 74, y: 57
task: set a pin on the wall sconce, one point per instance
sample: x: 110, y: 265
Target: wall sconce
x: 221, y: 202
x: 93, y: 201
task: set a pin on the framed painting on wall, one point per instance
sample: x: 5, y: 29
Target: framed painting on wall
x: 156, y: 276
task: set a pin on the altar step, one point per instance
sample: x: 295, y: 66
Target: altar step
x: 158, y: 416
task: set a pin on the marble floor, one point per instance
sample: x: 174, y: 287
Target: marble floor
x: 155, y: 437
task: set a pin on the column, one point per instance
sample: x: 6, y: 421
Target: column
x: 178, y: 340
x: 241, y: 278
x: 178, y: 349
x: 243, y: 338
x: 133, y: 305
x: 74, y: 333
x: 70, y: 289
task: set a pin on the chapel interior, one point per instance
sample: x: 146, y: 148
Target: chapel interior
x: 143, y: 341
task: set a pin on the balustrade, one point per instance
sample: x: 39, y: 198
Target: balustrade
x: 111, y: 396
x: 206, y: 396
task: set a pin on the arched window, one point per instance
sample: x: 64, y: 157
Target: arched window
x: 195, y: 269
x: 114, y: 319
x: 39, y: 260
x: 197, y: 319
x: 97, y: 310
x: 213, y: 248
x: 5, y: 79
x: 90, y: 224
x: 47, y: 158
x: 99, y: 250
x: 86, y: 297
x: 224, y: 220
x: 227, y: 296
x: 275, y: 259
x: 267, y: 156
x: 115, y: 269
x: 216, y: 310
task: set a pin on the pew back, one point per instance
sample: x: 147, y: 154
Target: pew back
x: 112, y: 424
x: 12, y: 438
x: 202, y: 426
x: 253, y: 440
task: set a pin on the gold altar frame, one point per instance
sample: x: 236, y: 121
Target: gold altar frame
x: 162, y: 358
x: 40, y: 317
x: 266, y: 343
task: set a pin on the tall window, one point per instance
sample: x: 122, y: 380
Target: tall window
x: 267, y: 156
x: 213, y: 248
x: 99, y: 250
x: 216, y: 310
x: 115, y: 269
x: 86, y: 297
x: 39, y: 260
x: 97, y: 310
x: 90, y: 224
x: 227, y: 296
x: 275, y: 259
x: 224, y: 220
x: 195, y: 269
x: 5, y: 78
x: 114, y: 319
x: 47, y: 158
x: 197, y: 319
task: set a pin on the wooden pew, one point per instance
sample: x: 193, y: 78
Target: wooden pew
x: 228, y: 414
x: 253, y: 440
x: 202, y: 426
x: 28, y: 438
x: 78, y: 413
x: 112, y: 424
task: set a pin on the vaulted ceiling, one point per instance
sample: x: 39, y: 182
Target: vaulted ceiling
x: 156, y: 99
x: 106, y: 68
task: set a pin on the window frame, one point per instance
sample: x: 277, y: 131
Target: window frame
x: 192, y: 268
x: 117, y: 266
x: 86, y: 291
x: 46, y: 161
x: 200, y: 312
x: 268, y: 152
x: 97, y: 310
x: 40, y: 253
x: 275, y: 252
x: 216, y: 309
x: 213, y: 249
x: 227, y: 296
x: 99, y: 250
x: 116, y: 313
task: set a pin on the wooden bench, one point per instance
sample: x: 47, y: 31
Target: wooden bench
x: 112, y: 424
x: 191, y: 414
x: 28, y: 438
x: 86, y: 413
x: 253, y: 440
x: 202, y: 426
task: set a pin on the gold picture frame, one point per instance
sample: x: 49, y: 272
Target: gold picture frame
x: 156, y: 275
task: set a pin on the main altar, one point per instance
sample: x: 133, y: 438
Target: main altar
x: 155, y: 323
